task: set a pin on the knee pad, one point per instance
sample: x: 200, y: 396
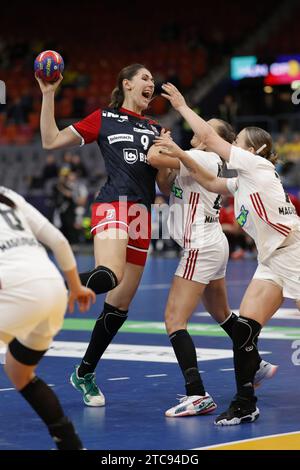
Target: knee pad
x: 245, y: 333
x: 100, y: 280
x: 23, y: 354
x: 112, y: 318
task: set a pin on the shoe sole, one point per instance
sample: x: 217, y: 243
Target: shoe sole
x: 192, y: 412
x: 235, y: 421
x: 86, y: 403
x: 270, y: 375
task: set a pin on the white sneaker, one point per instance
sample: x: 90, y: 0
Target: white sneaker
x: 193, y: 405
x: 266, y: 371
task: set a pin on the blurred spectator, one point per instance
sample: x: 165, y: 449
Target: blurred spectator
x: 228, y: 109
x: 80, y: 197
x: 161, y: 243
x: 78, y: 166
x: 50, y: 169
x: 295, y: 201
x: 64, y: 204
x: 67, y: 160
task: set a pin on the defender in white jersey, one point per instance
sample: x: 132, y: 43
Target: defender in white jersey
x: 33, y: 301
x: 265, y: 212
x: 194, y: 224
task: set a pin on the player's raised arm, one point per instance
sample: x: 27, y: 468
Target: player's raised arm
x: 52, y: 137
x: 208, y: 135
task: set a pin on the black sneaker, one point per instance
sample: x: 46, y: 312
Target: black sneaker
x: 240, y: 411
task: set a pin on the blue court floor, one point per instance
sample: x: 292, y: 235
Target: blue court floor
x: 140, y: 378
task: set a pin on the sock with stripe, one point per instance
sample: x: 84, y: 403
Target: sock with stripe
x: 185, y: 353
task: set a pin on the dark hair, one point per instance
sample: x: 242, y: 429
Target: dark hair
x: 118, y: 96
x: 7, y: 201
x: 256, y: 138
x: 226, y: 131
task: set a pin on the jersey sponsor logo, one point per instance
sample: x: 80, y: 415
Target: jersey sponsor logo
x: 109, y: 114
x: 112, y: 139
x: 178, y: 192
x: 130, y: 155
x: 110, y: 214
x: 287, y: 211
x: 242, y: 217
x: 143, y: 131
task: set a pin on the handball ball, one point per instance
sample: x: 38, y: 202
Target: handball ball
x: 48, y: 66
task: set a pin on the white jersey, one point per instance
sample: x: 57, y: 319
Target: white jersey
x: 21, y: 254
x: 261, y: 205
x: 194, y: 211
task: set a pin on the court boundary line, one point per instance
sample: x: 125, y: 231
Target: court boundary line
x: 247, y: 440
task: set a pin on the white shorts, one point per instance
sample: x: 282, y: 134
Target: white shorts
x: 33, y: 312
x: 205, y: 265
x: 283, y: 268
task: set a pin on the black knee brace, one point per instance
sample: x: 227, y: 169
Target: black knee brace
x: 100, y: 280
x: 245, y: 333
x: 23, y: 354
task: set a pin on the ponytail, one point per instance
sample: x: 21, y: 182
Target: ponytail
x: 117, y: 98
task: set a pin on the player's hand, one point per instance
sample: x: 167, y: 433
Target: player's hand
x: 166, y: 133
x: 47, y: 87
x: 167, y: 146
x: 173, y: 95
x: 83, y: 296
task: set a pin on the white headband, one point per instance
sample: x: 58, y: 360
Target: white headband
x: 260, y: 149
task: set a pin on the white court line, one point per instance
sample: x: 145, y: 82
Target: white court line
x: 13, y: 389
x: 157, y: 375
x: 225, y: 370
x: 120, y: 378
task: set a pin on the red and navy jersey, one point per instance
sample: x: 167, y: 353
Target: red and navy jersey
x: 124, y: 139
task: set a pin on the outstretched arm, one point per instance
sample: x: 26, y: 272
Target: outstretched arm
x: 207, y: 179
x: 52, y: 137
x: 158, y: 159
x: 200, y: 127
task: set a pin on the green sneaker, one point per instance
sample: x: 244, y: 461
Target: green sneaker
x: 92, y: 395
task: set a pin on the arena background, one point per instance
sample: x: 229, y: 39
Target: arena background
x: 233, y: 60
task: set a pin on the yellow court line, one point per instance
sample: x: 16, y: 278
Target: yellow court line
x: 286, y: 441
